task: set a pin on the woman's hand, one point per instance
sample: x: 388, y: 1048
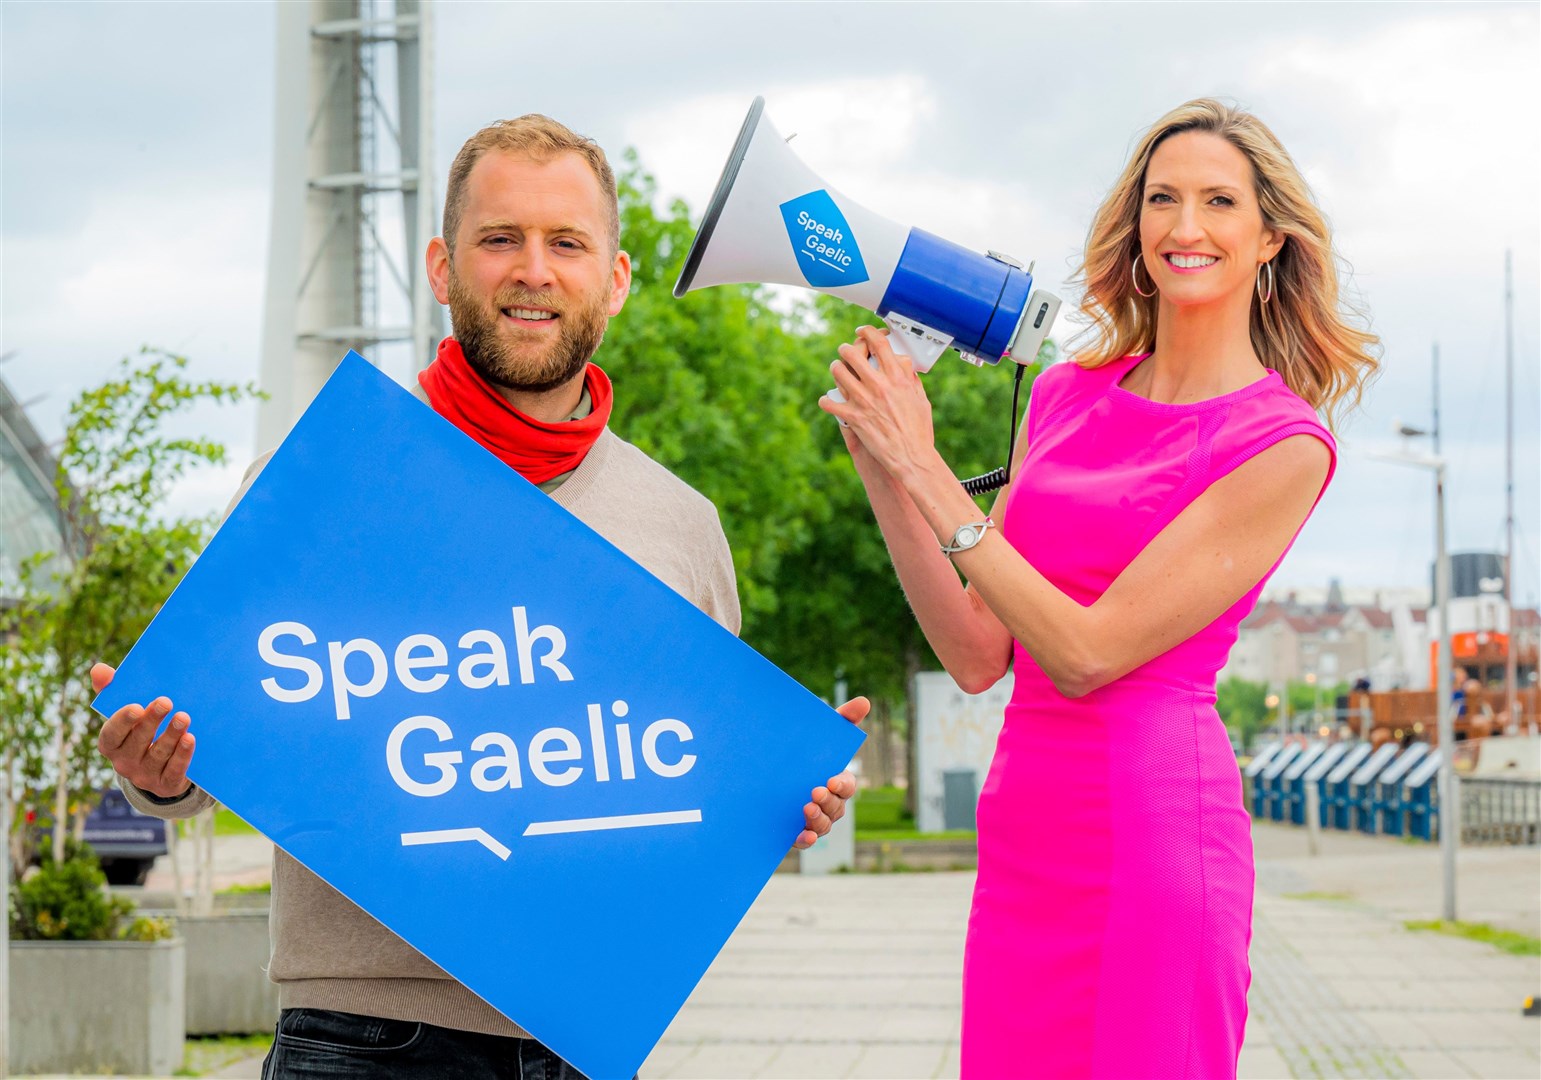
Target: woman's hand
x: 885, y: 407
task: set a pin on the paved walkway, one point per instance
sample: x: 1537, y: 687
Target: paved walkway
x: 857, y: 975
x: 1341, y: 988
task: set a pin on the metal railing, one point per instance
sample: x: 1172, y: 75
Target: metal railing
x: 1495, y: 811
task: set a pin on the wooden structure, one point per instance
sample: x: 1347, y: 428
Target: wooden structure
x: 1409, y: 714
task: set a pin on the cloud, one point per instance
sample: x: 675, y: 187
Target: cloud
x: 835, y: 126
x: 184, y: 270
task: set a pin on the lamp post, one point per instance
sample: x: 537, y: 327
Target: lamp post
x: 1271, y: 702
x: 1449, y: 809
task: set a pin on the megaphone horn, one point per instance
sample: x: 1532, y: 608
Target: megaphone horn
x: 773, y: 219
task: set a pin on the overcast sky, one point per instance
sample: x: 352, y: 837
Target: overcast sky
x: 138, y: 158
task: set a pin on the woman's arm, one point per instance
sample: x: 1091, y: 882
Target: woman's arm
x: 968, y: 639
x: 1205, y: 560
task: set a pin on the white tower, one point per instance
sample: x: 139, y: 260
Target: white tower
x: 353, y: 203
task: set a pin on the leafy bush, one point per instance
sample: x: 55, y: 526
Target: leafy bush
x: 69, y: 901
x: 148, y: 928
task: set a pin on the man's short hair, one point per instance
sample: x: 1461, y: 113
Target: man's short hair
x: 541, y: 139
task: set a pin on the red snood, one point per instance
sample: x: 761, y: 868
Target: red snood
x: 535, y: 449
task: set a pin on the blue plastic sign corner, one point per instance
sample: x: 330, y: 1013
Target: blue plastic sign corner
x: 482, y: 723
x: 827, y: 253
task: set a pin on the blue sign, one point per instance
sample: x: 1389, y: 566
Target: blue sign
x: 827, y: 253
x: 489, y: 728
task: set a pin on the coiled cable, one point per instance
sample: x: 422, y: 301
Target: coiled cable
x: 996, y: 479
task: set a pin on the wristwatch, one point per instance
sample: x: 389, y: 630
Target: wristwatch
x: 967, y: 536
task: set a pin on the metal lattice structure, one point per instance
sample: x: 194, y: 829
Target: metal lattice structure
x: 353, y: 202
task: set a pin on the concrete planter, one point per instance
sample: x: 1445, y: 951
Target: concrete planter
x: 98, y: 1006
x: 228, y: 990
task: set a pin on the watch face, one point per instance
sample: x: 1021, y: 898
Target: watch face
x: 968, y: 536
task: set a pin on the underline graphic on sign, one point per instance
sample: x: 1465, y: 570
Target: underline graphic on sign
x: 623, y: 821
x: 834, y: 266
x: 455, y: 836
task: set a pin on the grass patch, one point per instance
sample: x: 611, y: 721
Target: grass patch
x: 1509, y: 941
x: 206, y: 1054
x: 882, y: 808
x: 227, y: 824
x: 242, y: 890
x: 880, y: 816
x: 909, y: 835
x: 1317, y: 896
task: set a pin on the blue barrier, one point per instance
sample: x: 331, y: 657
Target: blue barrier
x: 1361, y: 787
x: 1317, y: 774
x: 1253, y: 776
x: 1337, y: 805
x: 1273, y: 783
x: 1389, y: 806
x: 1293, y: 786
x: 1423, y: 798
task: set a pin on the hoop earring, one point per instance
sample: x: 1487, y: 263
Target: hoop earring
x: 1269, y: 267
x: 1134, y: 274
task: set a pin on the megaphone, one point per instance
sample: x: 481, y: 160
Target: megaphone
x: 773, y: 219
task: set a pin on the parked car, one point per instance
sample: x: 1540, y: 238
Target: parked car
x: 126, y: 841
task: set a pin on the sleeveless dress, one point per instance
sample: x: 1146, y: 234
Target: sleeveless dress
x: 1113, y: 906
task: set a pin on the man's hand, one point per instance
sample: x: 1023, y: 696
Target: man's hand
x: 158, y: 766
x: 828, y: 805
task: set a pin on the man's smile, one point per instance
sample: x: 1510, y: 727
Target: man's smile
x: 530, y: 317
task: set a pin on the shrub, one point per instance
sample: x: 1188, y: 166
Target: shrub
x: 69, y: 901
x: 148, y: 928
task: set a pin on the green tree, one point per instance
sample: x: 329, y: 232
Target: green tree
x: 1243, y: 706
x: 1306, y: 699
x: 121, y: 558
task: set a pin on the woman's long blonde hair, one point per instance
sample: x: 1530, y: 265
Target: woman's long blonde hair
x: 1305, y: 332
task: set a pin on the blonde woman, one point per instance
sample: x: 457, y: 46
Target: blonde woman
x: 1161, y: 479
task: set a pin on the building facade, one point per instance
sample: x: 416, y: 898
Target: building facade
x: 29, y: 509
x: 1385, y: 643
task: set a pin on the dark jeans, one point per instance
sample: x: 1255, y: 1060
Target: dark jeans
x: 318, y: 1043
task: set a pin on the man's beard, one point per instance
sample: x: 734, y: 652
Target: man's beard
x: 502, y: 361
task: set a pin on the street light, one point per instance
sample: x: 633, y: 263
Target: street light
x: 1449, y: 811
x: 1272, y: 702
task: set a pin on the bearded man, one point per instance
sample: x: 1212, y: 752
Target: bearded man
x: 531, y: 268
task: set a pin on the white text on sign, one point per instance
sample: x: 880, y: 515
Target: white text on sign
x: 499, y: 766
x: 818, y: 232
x: 415, y: 755
x: 421, y: 662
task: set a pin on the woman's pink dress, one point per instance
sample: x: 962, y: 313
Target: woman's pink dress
x: 1109, y: 929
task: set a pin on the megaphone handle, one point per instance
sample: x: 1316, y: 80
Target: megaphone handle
x: 922, y: 344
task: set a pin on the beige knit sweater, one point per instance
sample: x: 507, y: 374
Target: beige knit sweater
x: 329, y: 954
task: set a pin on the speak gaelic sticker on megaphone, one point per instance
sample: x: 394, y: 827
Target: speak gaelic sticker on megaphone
x: 773, y: 219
